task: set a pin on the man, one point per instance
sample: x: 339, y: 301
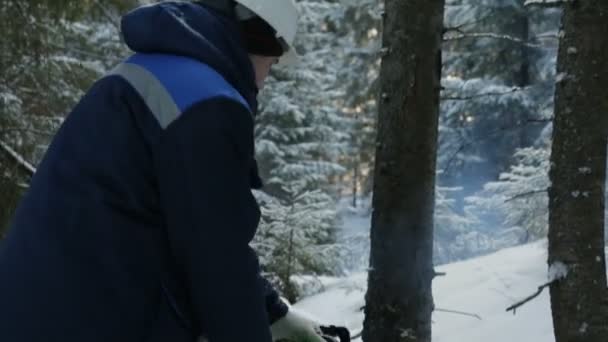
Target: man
x: 136, y: 226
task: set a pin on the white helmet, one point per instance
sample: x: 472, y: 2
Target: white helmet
x: 282, y: 15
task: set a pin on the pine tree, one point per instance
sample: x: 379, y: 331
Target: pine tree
x: 300, y: 137
x: 359, y: 32
x: 399, y: 300
x: 498, y: 80
x: 30, y: 62
x: 579, y: 299
x: 456, y: 236
x: 296, y: 239
x: 516, y: 204
x: 300, y: 132
x: 52, y: 51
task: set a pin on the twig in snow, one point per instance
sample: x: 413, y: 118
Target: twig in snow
x: 529, y: 298
x: 18, y: 158
x: 460, y: 313
x: 360, y: 333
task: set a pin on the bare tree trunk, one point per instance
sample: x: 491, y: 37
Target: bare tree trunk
x: 578, y: 174
x: 399, y: 299
x: 522, y: 77
x: 522, y: 26
x: 355, y: 182
x: 290, y: 290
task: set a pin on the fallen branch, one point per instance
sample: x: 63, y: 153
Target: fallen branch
x: 24, y: 164
x: 460, y: 313
x: 359, y: 334
x: 529, y: 298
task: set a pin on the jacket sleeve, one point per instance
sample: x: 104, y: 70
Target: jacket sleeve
x: 275, y: 307
x: 203, y: 162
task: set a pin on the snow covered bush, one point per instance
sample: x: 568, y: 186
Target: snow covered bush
x: 296, y: 237
x: 517, y: 203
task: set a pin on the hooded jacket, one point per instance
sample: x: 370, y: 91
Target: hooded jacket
x: 137, y: 223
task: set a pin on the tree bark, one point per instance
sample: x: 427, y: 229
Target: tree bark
x: 578, y: 175
x: 399, y: 299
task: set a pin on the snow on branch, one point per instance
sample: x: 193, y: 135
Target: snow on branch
x: 527, y: 194
x: 465, y: 35
x: 458, y: 28
x: 113, y: 18
x: 18, y: 158
x: 557, y: 271
x: 545, y: 3
x: 474, y: 96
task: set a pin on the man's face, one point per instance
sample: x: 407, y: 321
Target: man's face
x: 262, y: 65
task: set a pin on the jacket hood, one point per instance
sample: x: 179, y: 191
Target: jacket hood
x: 192, y: 30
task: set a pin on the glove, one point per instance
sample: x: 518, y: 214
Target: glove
x: 293, y: 327
x: 296, y: 327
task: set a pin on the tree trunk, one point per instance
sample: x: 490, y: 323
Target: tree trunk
x: 355, y: 182
x: 578, y: 172
x: 399, y: 299
x: 522, y: 77
x: 522, y: 28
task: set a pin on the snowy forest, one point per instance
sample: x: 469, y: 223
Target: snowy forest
x: 498, y: 164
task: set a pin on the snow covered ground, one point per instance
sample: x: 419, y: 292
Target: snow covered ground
x: 485, y: 286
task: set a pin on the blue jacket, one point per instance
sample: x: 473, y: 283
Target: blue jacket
x: 137, y: 224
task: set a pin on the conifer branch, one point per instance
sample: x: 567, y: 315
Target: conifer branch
x: 24, y: 164
x: 545, y: 3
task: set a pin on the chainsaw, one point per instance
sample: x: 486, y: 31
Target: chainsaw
x: 335, y: 334
x: 329, y: 333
